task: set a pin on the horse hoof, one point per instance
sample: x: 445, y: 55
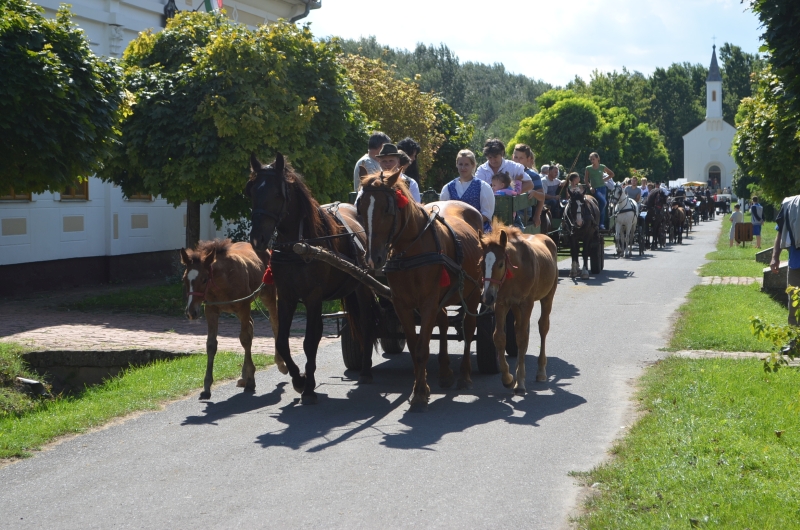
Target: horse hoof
x: 418, y: 406
x: 205, y: 395
x: 542, y: 378
x: 299, y: 384
x: 282, y: 368
x: 510, y: 384
x: 308, y: 399
x: 519, y: 391
x: 250, y: 387
x: 584, y: 276
x: 464, y: 384
x: 365, y: 379
x: 241, y: 383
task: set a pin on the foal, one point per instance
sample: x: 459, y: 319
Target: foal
x: 221, y: 271
x: 519, y: 270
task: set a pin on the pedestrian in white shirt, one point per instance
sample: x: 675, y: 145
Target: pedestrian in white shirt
x: 369, y: 160
x: 495, y: 152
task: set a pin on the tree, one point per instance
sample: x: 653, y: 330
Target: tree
x: 396, y: 106
x: 206, y: 92
x: 780, y: 19
x: 58, y: 101
x: 737, y: 67
x: 458, y: 134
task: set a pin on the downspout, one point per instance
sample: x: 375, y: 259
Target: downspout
x: 310, y: 4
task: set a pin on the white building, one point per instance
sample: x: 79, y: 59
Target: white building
x: 707, y: 147
x: 92, y: 234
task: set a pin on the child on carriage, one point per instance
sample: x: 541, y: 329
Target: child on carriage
x: 469, y: 189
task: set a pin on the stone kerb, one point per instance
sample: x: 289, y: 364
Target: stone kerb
x: 764, y: 256
x: 775, y: 284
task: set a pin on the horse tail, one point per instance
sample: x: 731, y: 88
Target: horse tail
x: 355, y: 313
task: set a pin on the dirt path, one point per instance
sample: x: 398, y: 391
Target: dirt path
x: 40, y: 323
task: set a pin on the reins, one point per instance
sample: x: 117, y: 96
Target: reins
x: 202, y: 295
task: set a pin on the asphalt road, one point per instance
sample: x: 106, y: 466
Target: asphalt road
x: 359, y: 459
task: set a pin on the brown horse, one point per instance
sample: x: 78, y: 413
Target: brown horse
x: 221, y: 271
x: 428, y: 252
x: 519, y: 270
x: 677, y: 219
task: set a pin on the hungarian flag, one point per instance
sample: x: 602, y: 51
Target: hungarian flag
x: 209, y: 8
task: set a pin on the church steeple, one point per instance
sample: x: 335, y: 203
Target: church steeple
x: 714, y: 89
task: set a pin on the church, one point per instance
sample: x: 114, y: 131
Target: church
x: 707, y: 148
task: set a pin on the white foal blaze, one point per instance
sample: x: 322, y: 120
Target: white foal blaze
x: 579, y: 216
x: 490, y: 260
x: 192, y: 276
x: 370, y: 211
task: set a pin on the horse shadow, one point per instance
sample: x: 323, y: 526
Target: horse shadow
x: 360, y: 413
x: 606, y: 276
x: 238, y: 403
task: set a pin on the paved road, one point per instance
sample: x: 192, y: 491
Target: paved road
x: 359, y: 459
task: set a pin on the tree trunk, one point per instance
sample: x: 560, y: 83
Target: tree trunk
x: 192, y: 223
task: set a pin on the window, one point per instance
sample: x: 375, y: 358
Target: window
x: 713, y: 95
x: 79, y: 191
x: 140, y: 197
x: 12, y: 196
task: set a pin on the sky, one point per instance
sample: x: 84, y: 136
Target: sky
x: 552, y: 40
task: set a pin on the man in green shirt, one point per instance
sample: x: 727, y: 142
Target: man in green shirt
x: 596, y: 175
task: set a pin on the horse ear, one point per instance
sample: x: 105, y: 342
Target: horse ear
x: 210, y: 259
x: 362, y: 171
x: 503, y: 238
x: 280, y: 164
x: 255, y: 164
x: 392, y: 179
x: 185, y: 257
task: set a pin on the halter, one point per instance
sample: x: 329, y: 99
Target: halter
x: 280, y: 216
x: 210, y: 282
x: 508, y: 274
x: 391, y: 209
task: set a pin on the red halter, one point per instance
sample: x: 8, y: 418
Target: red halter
x: 208, y: 284
x: 507, y: 276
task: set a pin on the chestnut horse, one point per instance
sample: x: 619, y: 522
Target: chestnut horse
x: 221, y: 271
x: 282, y: 204
x: 429, y: 252
x: 519, y: 270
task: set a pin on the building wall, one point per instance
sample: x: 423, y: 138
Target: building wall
x: 709, y: 144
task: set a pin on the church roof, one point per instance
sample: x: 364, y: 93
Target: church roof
x: 713, y: 70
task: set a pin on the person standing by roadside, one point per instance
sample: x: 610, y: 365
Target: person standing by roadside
x: 469, y: 189
x: 523, y: 154
x: 757, y: 218
x: 788, y: 227
x: 596, y: 175
x: 736, y: 218
x: 369, y: 160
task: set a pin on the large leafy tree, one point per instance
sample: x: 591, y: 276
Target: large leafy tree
x: 458, y: 134
x: 737, y: 67
x: 206, y: 92
x: 58, y: 101
x: 396, y: 106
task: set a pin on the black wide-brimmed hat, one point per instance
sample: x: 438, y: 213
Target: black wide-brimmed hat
x: 388, y: 150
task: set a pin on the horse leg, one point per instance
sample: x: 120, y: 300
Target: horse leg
x: 212, y: 318
x: 574, y: 251
x: 269, y: 298
x: 446, y: 377
x: 248, y: 380
x: 310, y: 347
x: 544, y: 327
x: 465, y: 380
x: 619, y: 230
x: 366, y: 302
x: 286, y: 309
x: 500, y: 315
x: 586, y: 249
x: 422, y: 392
x: 522, y: 315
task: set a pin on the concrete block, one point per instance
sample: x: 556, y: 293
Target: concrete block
x: 764, y: 256
x: 775, y: 283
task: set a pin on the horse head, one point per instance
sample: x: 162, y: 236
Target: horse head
x: 379, y: 205
x: 577, y: 201
x: 495, y: 264
x: 268, y: 189
x: 196, y: 279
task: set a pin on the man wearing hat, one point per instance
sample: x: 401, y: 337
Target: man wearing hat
x: 390, y: 158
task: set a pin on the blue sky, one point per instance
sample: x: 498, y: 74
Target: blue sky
x: 550, y: 40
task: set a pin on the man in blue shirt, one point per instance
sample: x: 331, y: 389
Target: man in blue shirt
x: 788, y: 227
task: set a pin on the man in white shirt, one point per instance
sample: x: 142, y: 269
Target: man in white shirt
x: 551, y: 187
x: 369, y: 160
x: 495, y: 152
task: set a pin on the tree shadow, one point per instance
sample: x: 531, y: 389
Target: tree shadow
x: 330, y: 423
x: 239, y: 403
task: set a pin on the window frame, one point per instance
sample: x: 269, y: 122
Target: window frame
x: 17, y: 197
x: 64, y: 196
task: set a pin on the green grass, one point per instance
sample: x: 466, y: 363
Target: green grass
x: 706, y: 454
x: 717, y: 317
x: 738, y: 261
x: 158, y: 300
x: 137, y: 389
x: 12, y: 400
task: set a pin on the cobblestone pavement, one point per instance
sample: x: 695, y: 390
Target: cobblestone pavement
x: 39, y: 323
x: 730, y: 280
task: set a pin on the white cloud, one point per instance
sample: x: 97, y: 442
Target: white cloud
x: 553, y: 40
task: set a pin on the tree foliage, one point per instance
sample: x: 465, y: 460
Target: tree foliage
x: 458, y: 135
x: 737, y: 69
x: 58, y: 101
x: 396, y: 106
x: 207, y: 92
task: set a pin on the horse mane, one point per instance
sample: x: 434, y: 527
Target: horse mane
x: 220, y: 246
x: 493, y: 237
x: 319, y: 225
x: 376, y: 179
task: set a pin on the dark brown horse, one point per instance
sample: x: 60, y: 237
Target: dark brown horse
x: 677, y: 219
x: 581, y: 223
x: 656, y: 209
x: 519, y: 270
x: 283, y: 204
x: 428, y: 253
x: 221, y: 271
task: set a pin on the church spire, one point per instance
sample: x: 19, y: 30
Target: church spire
x: 713, y: 70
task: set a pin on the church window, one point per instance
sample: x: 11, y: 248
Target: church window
x: 713, y: 95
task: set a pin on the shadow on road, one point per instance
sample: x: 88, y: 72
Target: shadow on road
x: 239, y: 403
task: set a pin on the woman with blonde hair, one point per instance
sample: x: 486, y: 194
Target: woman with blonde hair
x: 468, y: 189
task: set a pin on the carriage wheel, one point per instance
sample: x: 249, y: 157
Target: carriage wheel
x: 641, y: 239
x: 484, y: 345
x: 351, y: 349
x: 392, y: 344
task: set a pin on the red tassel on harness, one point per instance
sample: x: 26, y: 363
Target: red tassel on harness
x: 267, y: 279
x: 402, y: 202
x: 509, y: 274
x: 444, y: 278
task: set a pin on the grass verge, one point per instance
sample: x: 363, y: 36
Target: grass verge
x: 717, y: 317
x: 738, y: 260
x: 13, y: 401
x: 718, y: 448
x: 137, y: 389
x: 158, y: 300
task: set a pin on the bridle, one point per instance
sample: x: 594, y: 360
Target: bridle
x: 392, y: 209
x: 508, y: 274
x: 209, y: 283
x: 260, y: 180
